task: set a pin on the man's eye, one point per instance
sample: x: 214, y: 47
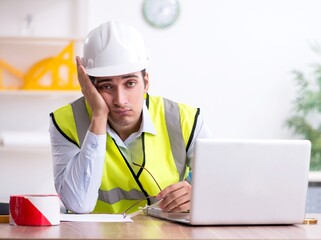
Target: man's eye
x: 104, y: 87
x: 131, y: 84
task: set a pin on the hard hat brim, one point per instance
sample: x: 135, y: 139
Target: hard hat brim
x: 116, y: 70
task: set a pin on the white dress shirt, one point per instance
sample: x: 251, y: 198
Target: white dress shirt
x: 78, y: 172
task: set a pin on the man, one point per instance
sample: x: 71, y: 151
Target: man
x: 119, y: 146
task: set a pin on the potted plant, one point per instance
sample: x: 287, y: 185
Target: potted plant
x: 306, y: 119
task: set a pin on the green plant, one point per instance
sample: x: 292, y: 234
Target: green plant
x: 306, y: 120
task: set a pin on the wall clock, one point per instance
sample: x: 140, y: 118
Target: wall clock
x: 161, y: 13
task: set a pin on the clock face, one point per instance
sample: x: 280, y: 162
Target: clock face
x: 161, y: 13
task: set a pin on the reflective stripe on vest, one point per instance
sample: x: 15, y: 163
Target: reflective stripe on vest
x: 81, y: 118
x: 116, y: 194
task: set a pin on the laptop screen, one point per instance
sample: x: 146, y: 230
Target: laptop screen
x: 249, y: 181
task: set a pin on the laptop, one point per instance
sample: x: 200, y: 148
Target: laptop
x: 246, y: 182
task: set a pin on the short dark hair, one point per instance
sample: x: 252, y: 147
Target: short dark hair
x: 92, y: 79
x: 143, y: 72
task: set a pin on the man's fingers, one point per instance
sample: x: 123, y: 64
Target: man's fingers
x: 87, y: 87
x: 80, y: 70
x: 175, y: 204
x: 176, y: 197
x: 181, y: 208
x: 173, y: 188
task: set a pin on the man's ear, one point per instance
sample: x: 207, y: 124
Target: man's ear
x: 146, y: 81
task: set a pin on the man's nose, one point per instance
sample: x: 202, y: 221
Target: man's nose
x: 120, y: 97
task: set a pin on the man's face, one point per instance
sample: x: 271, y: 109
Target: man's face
x: 124, y: 95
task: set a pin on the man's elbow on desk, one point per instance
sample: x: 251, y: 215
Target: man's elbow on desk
x: 78, y: 205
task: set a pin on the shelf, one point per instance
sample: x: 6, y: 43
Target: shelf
x: 41, y: 93
x: 38, y: 40
x: 45, y: 149
x: 12, y: 39
x: 13, y: 141
x: 38, y: 20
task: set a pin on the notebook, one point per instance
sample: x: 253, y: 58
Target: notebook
x: 246, y: 182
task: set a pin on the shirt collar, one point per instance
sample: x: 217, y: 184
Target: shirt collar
x: 146, y: 126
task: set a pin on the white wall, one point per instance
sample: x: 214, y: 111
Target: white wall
x: 231, y: 58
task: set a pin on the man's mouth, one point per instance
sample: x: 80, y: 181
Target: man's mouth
x: 121, y: 111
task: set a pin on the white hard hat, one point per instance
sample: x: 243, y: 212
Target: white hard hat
x: 114, y: 49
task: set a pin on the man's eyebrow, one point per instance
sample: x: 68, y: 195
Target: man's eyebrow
x: 130, y: 76
x: 123, y: 77
x: 103, y: 80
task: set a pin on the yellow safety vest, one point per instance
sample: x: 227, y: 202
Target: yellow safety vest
x: 164, y: 153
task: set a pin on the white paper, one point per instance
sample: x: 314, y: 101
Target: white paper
x: 94, y: 218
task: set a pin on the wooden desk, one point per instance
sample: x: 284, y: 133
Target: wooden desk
x: 145, y: 227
